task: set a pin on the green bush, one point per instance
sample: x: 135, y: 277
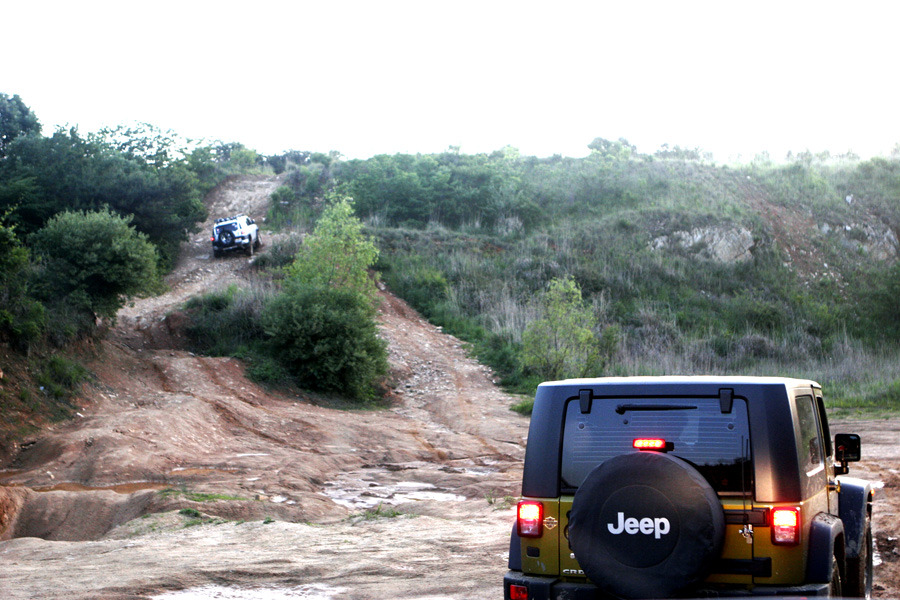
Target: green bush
x: 280, y: 254
x: 562, y: 343
x: 22, y: 318
x: 267, y: 369
x: 337, y: 253
x: 328, y: 340
x: 95, y: 260
x: 132, y: 172
x: 322, y: 339
x: 65, y: 372
x: 879, y: 304
x: 227, y: 323
x: 59, y: 378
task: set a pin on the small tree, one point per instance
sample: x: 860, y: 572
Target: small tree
x: 562, y: 342
x: 95, y: 261
x: 322, y: 327
x: 337, y: 254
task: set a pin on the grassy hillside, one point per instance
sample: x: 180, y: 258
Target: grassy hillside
x: 681, y: 265
x: 688, y: 266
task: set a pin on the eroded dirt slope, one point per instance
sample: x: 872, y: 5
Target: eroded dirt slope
x: 439, y: 463
x: 292, y: 479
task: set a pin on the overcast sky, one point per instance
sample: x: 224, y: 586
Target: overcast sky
x: 382, y: 76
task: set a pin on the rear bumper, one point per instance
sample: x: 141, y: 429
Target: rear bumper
x: 551, y: 588
x: 547, y: 588
x: 240, y: 243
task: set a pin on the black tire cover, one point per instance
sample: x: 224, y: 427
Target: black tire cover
x: 645, y: 525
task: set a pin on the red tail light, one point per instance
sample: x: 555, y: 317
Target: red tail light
x: 657, y: 444
x: 786, y: 526
x: 518, y: 592
x: 529, y: 518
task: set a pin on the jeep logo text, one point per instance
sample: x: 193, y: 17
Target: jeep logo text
x: 658, y: 526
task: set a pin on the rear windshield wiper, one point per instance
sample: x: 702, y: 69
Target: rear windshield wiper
x: 624, y: 408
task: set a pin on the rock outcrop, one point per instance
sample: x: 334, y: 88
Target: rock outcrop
x: 717, y: 243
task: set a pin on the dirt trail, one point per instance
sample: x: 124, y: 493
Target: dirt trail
x: 292, y: 480
x: 441, y: 461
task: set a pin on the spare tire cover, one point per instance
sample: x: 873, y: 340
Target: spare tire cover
x: 645, y: 525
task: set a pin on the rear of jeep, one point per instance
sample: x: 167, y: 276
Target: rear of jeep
x: 665, y: 487
x: 239, y: 232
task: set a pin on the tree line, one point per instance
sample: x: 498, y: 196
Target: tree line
x: 87, y: 221
x: 503, y: 249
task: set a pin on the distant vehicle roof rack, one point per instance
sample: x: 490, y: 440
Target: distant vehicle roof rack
x: 229, y: 218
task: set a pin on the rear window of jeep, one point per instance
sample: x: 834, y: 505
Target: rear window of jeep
x: 696, y: 430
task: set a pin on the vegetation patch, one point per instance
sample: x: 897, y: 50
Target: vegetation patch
x: 199, y: 496
x: 196, y: 518
x: 379, y: 512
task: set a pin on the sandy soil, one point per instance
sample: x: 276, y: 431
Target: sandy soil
x: 300, y: 500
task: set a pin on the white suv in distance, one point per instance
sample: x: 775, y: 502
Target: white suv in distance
x: 232, y: 233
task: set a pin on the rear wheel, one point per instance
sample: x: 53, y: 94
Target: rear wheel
x: 860, y: 569
x: 256, y: 242
x: 835, y: 588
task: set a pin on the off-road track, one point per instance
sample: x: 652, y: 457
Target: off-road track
x: 180, y: 478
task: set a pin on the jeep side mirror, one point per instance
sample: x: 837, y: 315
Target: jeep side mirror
x: 847, y: 448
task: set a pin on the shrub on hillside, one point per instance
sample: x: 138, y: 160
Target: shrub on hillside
x: 94, y: 261
x: 337, y: 254
x: 226, y: 323
x: 280, y: 254
x: 22, y: 318
x: 879, y: 307
x: 562, y: 342
x: 327, y: 339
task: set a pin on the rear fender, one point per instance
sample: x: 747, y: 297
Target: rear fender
x: 826, y: 540
x: 854, y: 502
x: 515, y: 550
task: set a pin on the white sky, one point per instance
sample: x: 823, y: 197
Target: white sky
x: 383, y: 76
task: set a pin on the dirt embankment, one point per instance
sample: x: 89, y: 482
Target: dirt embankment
x: 277, y: 494
x: 251, y: 466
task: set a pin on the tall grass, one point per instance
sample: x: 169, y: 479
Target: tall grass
x: 677, y: 314
x: 228, y: 322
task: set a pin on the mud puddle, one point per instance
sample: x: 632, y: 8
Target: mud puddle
x: 394, y: 484
x: 365, y: 495
x: 315, y: 591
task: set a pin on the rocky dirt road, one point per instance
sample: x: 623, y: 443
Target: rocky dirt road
x: 183, y: 479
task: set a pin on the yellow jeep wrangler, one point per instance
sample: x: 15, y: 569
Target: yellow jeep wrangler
x: 688, y: 486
